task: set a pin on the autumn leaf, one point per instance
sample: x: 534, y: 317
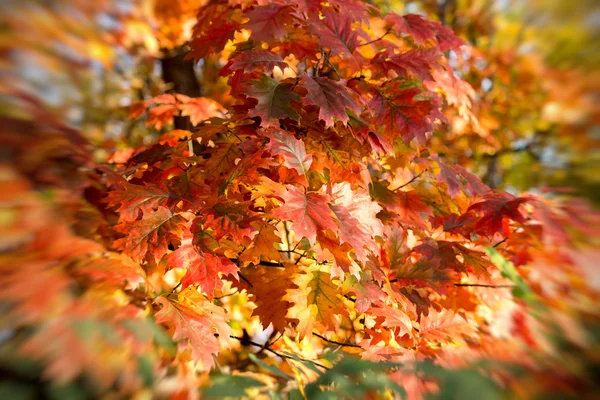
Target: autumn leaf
x: 275, y: 100
x: 133, y: 200
x: 308, y: 212
x: 202, y: 267
x: 332, y: 98
x: 150, y: 234
x: 215, y: 27
x: 267, y: 22
x: 316, y: 302
x: 417, y: 62
x: 268, y: 292
x: 253, y: 60
x: 404, y: 110
x: 494, y: 209
x: 422, y: 30
x: 262, y: 245
x: 393, y: 318
x: 335, y: 33
x: 291, y: 149
x: 195, y: 325
x: 444, y: 326
x: 200, y: 109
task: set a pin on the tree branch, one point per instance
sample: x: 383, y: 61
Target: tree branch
x: 278, y: 354
x: 484, y: 285
x: 335, y: 342
x: 414, y: 178
x: 376, y: 40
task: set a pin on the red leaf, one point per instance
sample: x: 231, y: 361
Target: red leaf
x: 332, y: 98
x: 200, y: 109
x: 202, y: 268
x: 200, y: 324
x: 291, y: 149
x: 308, y: 212
x: 216, y: 25
x: 336, y: 34
x: 418, y: 62
x: 151, y: 234
x: 274, y: 100
x: 268, y: 22
x: 422, y: 30
x: 135, y: 199
x: 495, y: 208
x: 402, y: 110
x: 253, y: 60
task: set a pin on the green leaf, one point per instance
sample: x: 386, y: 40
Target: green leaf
x: 230, y: 386
x: 272, y: 369
x: 521, y: 289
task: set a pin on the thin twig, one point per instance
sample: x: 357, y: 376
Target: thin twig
x: 335, y: 342
x: 414, y: 178
x: 484, y: 285
x: 500, y: 242
x: 376, y: 40
x: 473, y: 285
x: 278, y: 354
x: 175, y: 288
x: 245, y: 279
x: 332, y: 66
x: 227, y: 295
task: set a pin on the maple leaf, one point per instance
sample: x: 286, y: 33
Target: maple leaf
x: 422, y: 30
x: 195, y: 323
x: 291, y: 149
x: 495, y: 208
x: 268, y: 292
x: 403, y: 110
x: 161, y: 115
x: 367, y: 292
x: 308, y: 212
x: 268, y: 22
x: 443, y: 326
x: 274, y: 100
x: 253, y: 60
x: 150, y: 234
x: 221, y: 158
x: 356, y: 214
x: 418, y: 62
x: 200, y: 109
x: 474, y: 184
x: 351, y: 231
x: 331, y: 248
x: 409, y: 206
x: 451, y: 176
x: 262, y: 245
x: 332, y: 98
x: 215, y: 27
x: 229, y: 218
x: 135, y: 199
x: 202, y: 267
x: 336, y: 34
x: 394, y: 318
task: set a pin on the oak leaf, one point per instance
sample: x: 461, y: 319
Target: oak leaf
x: 150, y: 234
x: 196, y: 324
